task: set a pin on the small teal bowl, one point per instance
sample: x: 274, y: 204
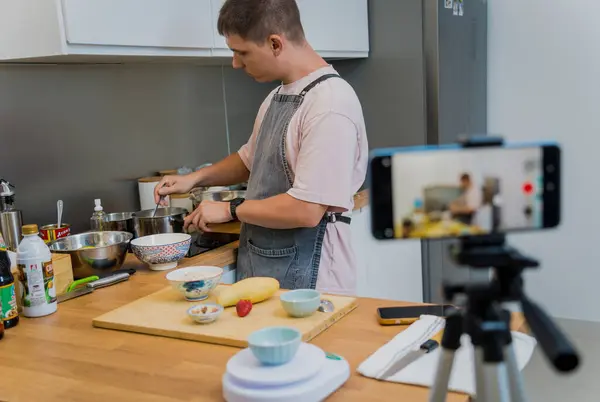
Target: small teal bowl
x: 300, y: 302
x: 274, y: 346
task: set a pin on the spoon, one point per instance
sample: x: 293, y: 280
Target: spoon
x: 326, y: 306
x: 59, y: 207
x: 162, y: 197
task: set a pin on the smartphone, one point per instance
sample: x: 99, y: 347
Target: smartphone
x: 409, y: 314
x: 448, y: 191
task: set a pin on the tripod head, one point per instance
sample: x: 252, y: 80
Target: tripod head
x: 506, y: 285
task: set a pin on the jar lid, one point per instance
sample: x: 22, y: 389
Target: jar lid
x: 152, y: 179
x: 30, y: 229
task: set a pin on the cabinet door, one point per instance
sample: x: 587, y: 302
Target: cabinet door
x: 336, y: 25
x: 144, y: 23
x: 219, y: 41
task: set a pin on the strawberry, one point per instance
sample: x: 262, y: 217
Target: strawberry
x: 243, y: 307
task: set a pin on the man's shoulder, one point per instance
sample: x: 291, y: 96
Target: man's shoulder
x: 335, y: 95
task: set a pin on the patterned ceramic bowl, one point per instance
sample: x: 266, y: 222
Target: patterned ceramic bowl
x: 195, y: 283
x: 161, y: 251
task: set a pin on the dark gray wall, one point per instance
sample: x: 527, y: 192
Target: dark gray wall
x: 391, y: 82
x: 79, y: 132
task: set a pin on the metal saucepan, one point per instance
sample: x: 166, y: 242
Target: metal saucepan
x: 198, y: 195
x: 166, y: 220
x: 120, y: 222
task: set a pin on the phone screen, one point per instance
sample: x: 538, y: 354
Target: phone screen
x: 390, y: 313
x: 450, y: 191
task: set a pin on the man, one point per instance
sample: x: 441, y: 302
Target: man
x: 305, y: 160
x: 465, y: 207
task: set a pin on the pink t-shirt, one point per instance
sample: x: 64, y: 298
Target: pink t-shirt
x: 327, y: 151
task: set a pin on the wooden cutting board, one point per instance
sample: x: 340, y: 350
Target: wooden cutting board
x: 164, y: 314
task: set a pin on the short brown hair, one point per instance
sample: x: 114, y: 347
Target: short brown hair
x: 255, y: 20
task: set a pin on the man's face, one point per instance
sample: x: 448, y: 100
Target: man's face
x: 258, y: 61
x: 465, y: 184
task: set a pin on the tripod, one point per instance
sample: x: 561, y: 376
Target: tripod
x: 497, y: 377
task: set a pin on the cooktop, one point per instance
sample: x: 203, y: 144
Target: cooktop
x: 203, y: 242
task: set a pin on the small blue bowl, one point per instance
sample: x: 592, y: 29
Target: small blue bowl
x: 300, y: 302
x: 275, y: 345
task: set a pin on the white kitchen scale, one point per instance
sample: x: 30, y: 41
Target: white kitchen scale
x: 311, y: 376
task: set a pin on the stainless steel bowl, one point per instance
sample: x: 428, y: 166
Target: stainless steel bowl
x: 119, y: 222
x: 94, y: 253
x: 198, y: 196
x: 166, y: 220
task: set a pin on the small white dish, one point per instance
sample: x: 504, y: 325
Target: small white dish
x: 161, y: 251
x: 205, y: 313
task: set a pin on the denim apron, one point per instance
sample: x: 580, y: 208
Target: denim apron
x: 291, y: 256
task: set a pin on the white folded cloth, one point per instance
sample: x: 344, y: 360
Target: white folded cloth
x: 422, y: 371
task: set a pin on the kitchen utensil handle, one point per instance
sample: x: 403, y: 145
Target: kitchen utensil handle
x: 59, y: 207
x: 109, y: 280
x: 78, y: 282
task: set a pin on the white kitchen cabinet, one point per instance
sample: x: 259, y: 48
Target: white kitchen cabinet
x: 106, y: 30
x: 387, y: 269
x: 140, y: 23
x: 121, y: 30
x: 336, y: 28
x: 332, y: 33
x: 220, y: 47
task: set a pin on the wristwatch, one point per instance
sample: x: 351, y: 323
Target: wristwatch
x: 233, y: 204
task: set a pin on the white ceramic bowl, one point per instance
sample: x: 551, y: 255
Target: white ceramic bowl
x: 161, y: 251
x: 195, y: 283
x: 205, y: 313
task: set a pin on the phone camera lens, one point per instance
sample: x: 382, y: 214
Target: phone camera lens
x: 389, y: 233
x: 550, y: 187
x: 386, y: 162
x: 550, y: 168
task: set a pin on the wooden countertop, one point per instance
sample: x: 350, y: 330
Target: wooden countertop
x: 62, y: 357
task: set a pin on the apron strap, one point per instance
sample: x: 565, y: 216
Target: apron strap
x: 317, y: 82
x: 338, y: 217
x: 312, y: 84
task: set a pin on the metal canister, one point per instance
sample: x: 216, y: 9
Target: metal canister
x: 10, y: 226
x: 50, y: 233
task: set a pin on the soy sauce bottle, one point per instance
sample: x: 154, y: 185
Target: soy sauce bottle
x: 8, y: 299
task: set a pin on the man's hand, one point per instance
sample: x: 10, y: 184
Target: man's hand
x: 177, y: 184
x: 208, y: 212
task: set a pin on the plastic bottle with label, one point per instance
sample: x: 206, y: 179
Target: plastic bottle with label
x: 36, y: 274
x: 8, y: 298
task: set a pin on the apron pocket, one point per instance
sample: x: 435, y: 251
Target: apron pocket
x: 274, y: 263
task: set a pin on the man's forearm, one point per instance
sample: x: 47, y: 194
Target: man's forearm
x: 228, y: 171
x: 281, y: 212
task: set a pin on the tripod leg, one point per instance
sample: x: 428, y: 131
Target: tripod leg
x: 442, y: 376
x: 450, y: 343
x: 496, y: 383
x: 479, y: 374
x: 517, y: 391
